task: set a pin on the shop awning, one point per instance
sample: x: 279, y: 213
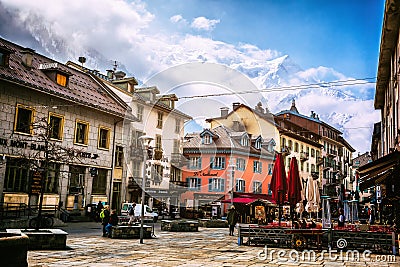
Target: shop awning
x: 246, y: 198
x: 378, y: 171
x: 243, y: 200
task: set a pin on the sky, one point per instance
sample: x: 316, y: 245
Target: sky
x: 327, y: 40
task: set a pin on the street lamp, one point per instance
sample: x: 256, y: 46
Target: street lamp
x: 145, y: 139
x: 232, y: 174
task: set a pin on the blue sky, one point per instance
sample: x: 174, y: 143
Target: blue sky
x: 344, y: 35
x: 328, y: 40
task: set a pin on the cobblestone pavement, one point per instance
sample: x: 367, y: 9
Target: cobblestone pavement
x: 207, y: 247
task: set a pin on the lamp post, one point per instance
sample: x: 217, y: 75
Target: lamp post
x: 145, y: 145
x: 232, y: 174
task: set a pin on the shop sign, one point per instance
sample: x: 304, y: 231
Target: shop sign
x: 36, y: 185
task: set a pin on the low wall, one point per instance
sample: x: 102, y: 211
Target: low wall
x: 213, y: 223
x: 43, y: 239
x: 13, y: 250
x: 130, y: 231
x: 180, y: 226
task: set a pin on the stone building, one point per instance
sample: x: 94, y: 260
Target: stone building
x: 60, y: 121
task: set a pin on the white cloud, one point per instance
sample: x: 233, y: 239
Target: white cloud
x: 177, y: 19
x: 202, y: 23
x: 124, y: 31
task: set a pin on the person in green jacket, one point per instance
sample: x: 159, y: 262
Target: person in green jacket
x: 232, y: 219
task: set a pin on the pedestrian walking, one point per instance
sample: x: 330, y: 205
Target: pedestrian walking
x: 341, y: 218
x: 113, y: 221
x: 131, y: 214
x: 105, y: 218
x: 99, y: 208
x: 232, y: 219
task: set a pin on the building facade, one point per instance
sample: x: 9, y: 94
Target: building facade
x: 60, y: 132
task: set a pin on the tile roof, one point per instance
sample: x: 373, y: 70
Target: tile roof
x: 82, y: 88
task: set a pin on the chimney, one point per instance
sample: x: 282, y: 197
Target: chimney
x: 224, y: 111
x: 119, y: 75
x: 27, y: 57
x: 110, y: 74
x: 235, y: 105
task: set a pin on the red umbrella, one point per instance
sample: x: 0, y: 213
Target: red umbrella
x: 279, y: 183
x: 294, y: 184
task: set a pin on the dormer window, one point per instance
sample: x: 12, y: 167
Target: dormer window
x: 207, y: 139
x: 61, y: 79
x: 55, y: 73
x: 258, y: 143
x: 245, y: 140
x: 4, y: 56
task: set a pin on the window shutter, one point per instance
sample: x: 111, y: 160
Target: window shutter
x: 222, y: 163
x: 188, y: 182
x: 244, y: 186
x: 210, y: 189
x: 211, y: 162
x: 199, y: 163
x: 260, y: 166
x: 198, y: 183
x: 222, y: 185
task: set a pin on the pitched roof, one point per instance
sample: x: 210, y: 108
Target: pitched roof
x: 82, y: 89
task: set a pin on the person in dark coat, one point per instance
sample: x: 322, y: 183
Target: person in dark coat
x: 112, y: 222
x: 105, y: 218
x: 232, y: 219
x: 99, y: 208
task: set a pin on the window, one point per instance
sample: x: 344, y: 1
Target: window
x: 269, y: 190
x: 23, y: 119
x: 312, y: 167
x: 17, y: 173
x: 193, y: 183
x: 177, y: 144
x: 56, y: 125
x: 195, y: 163
x: 290, y: 145
x: 139, y: 113
x: 240, y: 185
x: 240, y: 164
x: 217, y: 163
x: 158, y: 173
x: 177, y: 126
x: 175, y: 174
x: 244, y: 141
x: 160, y: 119
x: 51, y: 184
x: 207, y: 139
x: 136, y: 168
x: 257, y: 166
x: 4, y: 58
x: 100, y: 182
x: 135, y: 141
x: 77, y: 179
x: 158, y: 142
x: 312, y: 152
x: 270, y: 168
x: 296, y: 147
x: 216, y: 185
x: 119, y: 156
x: 257, y: 187
x: 104, y: 137
x: 81, y: 132
x: 61, y: 79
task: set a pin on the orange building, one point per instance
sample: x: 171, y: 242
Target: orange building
x: 221, y: 159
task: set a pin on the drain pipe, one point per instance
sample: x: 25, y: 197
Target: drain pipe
x: 112, y: 164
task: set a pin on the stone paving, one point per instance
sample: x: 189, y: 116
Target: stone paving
x: 207, y: 247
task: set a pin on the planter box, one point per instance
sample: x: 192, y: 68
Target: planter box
x: 43, y: 239
x: 14, y: 249
x: 130, y: 231
x: 180, y: 226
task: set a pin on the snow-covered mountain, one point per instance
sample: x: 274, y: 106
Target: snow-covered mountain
x: 348, y: 107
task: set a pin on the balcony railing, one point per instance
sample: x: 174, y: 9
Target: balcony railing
x: 320, y: 161
x: 135, y: 183
x: 178, y: 185
x: 285, y: 150
x: 304, y: 156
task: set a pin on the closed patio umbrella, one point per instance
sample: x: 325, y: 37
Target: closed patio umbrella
x: 279, y: 183
x: 294, y: 185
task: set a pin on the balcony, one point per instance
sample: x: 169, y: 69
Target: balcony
x: 178, y: 160
x: 136, y: 153
x: 178, y: 185
x: 285, y: 150
x: 304, y: 156
x: 320, y: 161
x: 135, y: 183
